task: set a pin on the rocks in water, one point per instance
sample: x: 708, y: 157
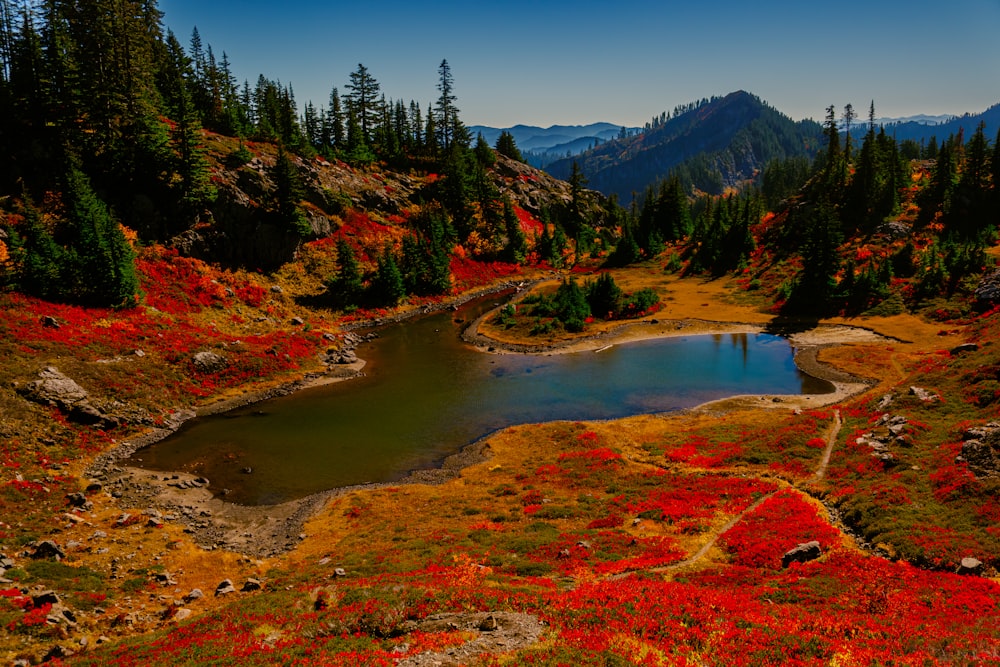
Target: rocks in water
x: 924, y: 395
x: 209, y: 362
x: 803, y: 553
x: 970, y: 566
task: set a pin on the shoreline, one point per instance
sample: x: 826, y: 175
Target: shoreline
x: 271, y: 530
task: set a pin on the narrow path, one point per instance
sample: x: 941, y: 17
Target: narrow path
x: 831, y: 440
x: 698, y: 555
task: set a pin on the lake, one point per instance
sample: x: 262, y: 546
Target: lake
x: 426, y: 394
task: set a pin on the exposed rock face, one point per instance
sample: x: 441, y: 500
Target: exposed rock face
x: 988, y: 291
x: 803, y: 553
x: 924, y: 395
x: 55, y: 389
x: 981, y: 450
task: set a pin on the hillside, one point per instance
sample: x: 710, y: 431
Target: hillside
x: 719, y: 144
x: 542, y: 146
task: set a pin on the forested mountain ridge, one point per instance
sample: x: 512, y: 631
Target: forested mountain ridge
x: 966, y: 123
x: 711, y: 145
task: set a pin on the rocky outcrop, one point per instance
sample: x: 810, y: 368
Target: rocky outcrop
x: 55, y: 389
x: 981, y: 450
x: 209, y: 362
x: 988, y: 291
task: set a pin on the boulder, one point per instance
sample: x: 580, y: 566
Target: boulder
x: 225, y: 587
x: 209, y: 362
x: 970, y: 566
x: 251, y: 584
x: 47, y: 549
x: 981, y: 450
x: 803, y: 553
x: 56, y: 389
x: 964, y: 347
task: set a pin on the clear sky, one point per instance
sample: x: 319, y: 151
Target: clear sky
x: 557, y: 62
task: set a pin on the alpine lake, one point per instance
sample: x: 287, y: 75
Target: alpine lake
x: 425, y: 394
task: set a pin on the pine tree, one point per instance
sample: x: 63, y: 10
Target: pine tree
x: 363, y: 98
x: 106, y: 273
x: 388, y: 287
x: 346, y: 287
x: 448, y: 125
x: 288, y: 194
x: 506, y: 145
x: 516, y: 249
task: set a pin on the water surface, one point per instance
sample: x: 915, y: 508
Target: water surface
x: 426, y: 394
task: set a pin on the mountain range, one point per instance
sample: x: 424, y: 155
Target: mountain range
x: 718, y: 143
x: 543, y: 145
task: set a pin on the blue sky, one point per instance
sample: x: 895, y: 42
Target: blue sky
x: 544, y: 63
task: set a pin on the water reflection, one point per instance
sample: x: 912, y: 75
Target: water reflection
x: 426, y: 394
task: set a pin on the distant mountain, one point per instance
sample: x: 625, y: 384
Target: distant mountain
x: 717, y: 143
x: 542, y: 145
x: 921, y: 131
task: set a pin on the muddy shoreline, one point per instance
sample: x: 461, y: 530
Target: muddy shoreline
x: 269, y: 530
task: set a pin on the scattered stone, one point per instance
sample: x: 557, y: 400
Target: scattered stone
x: 182, y: 614
x: 247, y: 470
x: 970, y: 566
x: 276, y: 289
x: 195, y: 594
x: 489, y: 624
x: 94, y: 486
x: 79, y: 500
x: 50, y: 322
x: 885, y: 402
x: 45, y: 597
x: 47, y: 549
x: 225, y: 587
x: 164, y: 579
x: 339, y: 572
x: 924, y: 395
x: 964, y: 347
x: 297, y: 321
x: 251, y: 585
x: 981, y: 450
x: 803, y: 553
x: 58, y: 652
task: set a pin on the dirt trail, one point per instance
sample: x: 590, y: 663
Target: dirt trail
x: 831, y: 440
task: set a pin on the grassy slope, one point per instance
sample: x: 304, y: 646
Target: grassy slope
x: 546, y: 526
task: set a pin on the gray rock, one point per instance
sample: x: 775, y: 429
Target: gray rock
x: 970, y: 566
x: 924, y: 395
x: 225, y: 587
x: 964, y: 347
x: 209, y: 362
x: 195, y: 594
x: 803, y: 553
x: 47, y: 549
x: 251, y: 585
x: 55, y: 389
x: 45, y: 597
x: 987, y: 293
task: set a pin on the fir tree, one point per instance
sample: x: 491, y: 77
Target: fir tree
x: 288, y: 194
x: 388, y: 287
x: 346, y: 288
x: 506, y: 145
x: 516, y: 249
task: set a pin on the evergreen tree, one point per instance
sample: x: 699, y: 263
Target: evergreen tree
x: 449, y: 127
x: 506, y: 145
x: 388, y: 287
x: 42, y: 270
x: 338, y: 135
x: 816, y: 282
x: 570, y: 305
x: 604, y: 296
x: 516, y: 249
x: 288, y: 194
x: 106, y: 273
x: 363, y: 98
x: 346, y: 288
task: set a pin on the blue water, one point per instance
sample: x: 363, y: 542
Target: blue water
x: 426, y: 394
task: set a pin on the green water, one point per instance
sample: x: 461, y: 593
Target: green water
x: 426, y: 394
